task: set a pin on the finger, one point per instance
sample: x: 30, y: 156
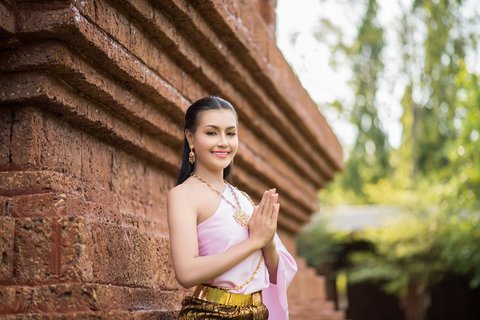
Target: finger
x: 276, y: 211
x: 262, y: 201
x: 275, y: 198
x: 267, y: 204
x: 271, y: 210
x: 261, y: 205
x: 273, y: 202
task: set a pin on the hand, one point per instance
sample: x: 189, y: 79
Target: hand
x: 263, y: 223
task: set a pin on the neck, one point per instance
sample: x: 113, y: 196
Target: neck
x: 212, y: 177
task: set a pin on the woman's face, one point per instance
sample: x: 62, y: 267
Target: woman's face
x: 215, y: 141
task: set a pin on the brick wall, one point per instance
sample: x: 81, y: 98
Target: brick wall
x: 92, y: 97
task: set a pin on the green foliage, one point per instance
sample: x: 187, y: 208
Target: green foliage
x: 434, y: 175
x: 405, y: 251
x: 460, y: 239
x: 320, y: 246
x: 368, y: 160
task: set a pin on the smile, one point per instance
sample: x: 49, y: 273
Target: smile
x: 220, y: 154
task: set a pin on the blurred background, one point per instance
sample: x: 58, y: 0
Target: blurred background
x: 399, y: 232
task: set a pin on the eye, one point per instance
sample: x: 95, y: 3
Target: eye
x: 232, y: 134
x: 210, y: 133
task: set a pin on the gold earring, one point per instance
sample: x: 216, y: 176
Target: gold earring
x: 191, y: 156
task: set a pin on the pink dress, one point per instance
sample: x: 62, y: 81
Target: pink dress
x: 220, y: 231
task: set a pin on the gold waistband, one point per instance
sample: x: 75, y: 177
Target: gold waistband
x: 217, y: 295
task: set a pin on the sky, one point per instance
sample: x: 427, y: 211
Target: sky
x: 310, y: 59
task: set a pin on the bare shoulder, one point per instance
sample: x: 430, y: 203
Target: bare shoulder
x: 180, y: 192
x: 177, y: 192
x: 184, y: 193
x: 181, y: 208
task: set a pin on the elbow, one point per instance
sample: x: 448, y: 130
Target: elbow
x: 185, y: 284
x: 185, y: 281
x: 186, y: 275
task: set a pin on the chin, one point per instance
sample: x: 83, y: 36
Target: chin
x: 220, y: 166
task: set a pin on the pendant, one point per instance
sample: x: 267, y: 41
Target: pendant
x: 241, y: 218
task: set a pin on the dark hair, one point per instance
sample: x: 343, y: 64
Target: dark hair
x: 191, y: 123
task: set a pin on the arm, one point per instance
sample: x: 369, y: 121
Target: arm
x: 190, y: 268
x: 270, y: 255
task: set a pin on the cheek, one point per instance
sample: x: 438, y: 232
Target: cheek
x: 204, y: 142
x: 234, y: 144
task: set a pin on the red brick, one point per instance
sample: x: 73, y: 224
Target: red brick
x: 96, y: 163
x: 6, y: 127
x: 35, y: 251
x: 7, y: 239
x: 116, y: 254
x: 91, y: 133
x: 44, y: 204
x: 76, y: 297
x: 26, y: 139
x: 98, y: 315
x: 29, y: 182
x: 60, y: 147
x: 123, y: 256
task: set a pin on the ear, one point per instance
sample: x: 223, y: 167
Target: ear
x: 189, y: 137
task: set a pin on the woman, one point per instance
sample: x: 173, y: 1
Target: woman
x: 220, y: 241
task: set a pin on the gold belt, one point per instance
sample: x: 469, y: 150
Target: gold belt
x: 221, y: 296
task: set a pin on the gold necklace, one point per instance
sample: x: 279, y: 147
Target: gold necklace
x: 239, y: 215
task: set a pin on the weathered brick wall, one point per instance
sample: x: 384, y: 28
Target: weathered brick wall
x: 93, y: 95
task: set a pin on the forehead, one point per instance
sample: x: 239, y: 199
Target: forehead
x: 217, y: 117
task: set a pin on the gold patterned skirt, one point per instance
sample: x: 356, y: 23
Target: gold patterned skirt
x: 213, y: 303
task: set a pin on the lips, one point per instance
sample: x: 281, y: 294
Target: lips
x: 221, y: 154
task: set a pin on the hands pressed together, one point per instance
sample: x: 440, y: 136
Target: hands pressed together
x: 263, y: 223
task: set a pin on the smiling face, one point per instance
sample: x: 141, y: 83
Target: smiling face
x: 215, y: 140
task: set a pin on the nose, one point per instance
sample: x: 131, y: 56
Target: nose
x: 222, y: 140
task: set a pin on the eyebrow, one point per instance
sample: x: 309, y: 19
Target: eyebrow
x: 211, y: 125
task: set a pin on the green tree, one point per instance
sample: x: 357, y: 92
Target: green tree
x: 369, y: 159
x: 433, y: 175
